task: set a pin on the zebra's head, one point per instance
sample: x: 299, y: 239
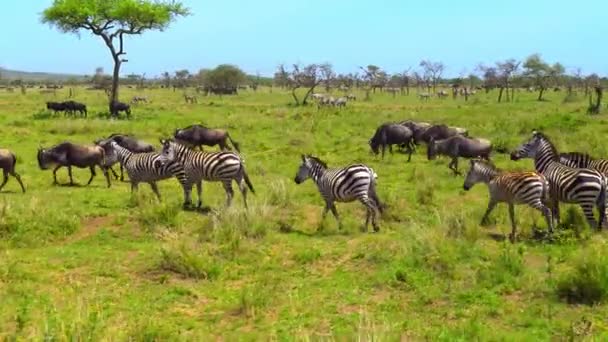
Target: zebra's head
x: 167, y: 152
x: 530, y: 148
x: 479, y: 171
x: 308, y: 166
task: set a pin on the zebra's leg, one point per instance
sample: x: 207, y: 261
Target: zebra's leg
x: 243, y: 188
x: 513, y: 225
x: 491, y: 206
x: 114, y: 173
x: 334, y: 211
x: 540, y: 206
x: 70, y: 174
x: 92, y: 168
x: 370, y: 212
x: 199, y: 193
x: 4, y: 180
x: 155, y: 189
x: 55, y: 174
x: 18, y: 178
x: 122, y: 176
x: 588, y: 211
x: 187, y: 195
x: 134, y: 187
x: 229, y: 192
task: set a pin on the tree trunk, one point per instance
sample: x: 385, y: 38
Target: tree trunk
x: 308, y: 93
x: 115, y: 79
x: 295, y: 97
x: 500, y: 94
x: 540, y: 94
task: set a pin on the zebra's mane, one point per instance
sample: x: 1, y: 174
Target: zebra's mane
x: 486, y: 163
x: 576, y: 154
x: 542, y: 136
x: 317, y: 160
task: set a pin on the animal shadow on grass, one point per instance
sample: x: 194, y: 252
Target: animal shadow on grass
x: 204, y: 210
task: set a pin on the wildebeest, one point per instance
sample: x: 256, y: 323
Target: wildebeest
x: 139, y: 99
x: 190, y: 98
x: 442, y: 94
x: 117, y: 106
x: 389, y: 134
x: 317, y: 96
x: 127, y: 141
x: 424, y: 96
x: 351, y: 97
x: 440, y: 132
x: 71, y: 107
x: 459, y: 146
x: 69, y: 154
x: 340, y: 102
x: 7, y: 164
x: 56, y: 106
x: 199, y: 135
x: 418, y: 128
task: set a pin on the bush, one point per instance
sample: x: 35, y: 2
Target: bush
x: 587, y: 283
x: 158, y: 215
x: 189, y: 262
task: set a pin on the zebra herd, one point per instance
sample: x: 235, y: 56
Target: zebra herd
x: 567, y: 177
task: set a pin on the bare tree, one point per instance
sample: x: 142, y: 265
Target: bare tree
x: 327, y: 74
x: 299, y: 77
x: 506, y: 70
x: 432, y: 72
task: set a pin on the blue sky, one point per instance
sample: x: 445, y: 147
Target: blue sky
x: 258, y: 35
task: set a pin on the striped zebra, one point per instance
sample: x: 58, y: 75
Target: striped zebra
x: 531, y: 188
x: 224, y: 166
x: 354, y: 182
x: 569, y: 185
x: 583, y: 160
x: 143, y: 167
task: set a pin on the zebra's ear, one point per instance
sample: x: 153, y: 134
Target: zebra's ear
x: 303, y: 158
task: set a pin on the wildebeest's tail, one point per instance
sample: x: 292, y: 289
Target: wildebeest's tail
x: 234, y: 143
x: 602, y: 202
x: 246, y: 178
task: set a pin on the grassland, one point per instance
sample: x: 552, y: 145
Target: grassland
x: 98, y: 263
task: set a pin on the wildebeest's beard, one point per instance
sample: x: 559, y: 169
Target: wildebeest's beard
x: 374, y: 146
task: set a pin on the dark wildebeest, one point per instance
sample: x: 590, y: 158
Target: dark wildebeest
x: 127, y: 141
x: 418, y: 128
x: 440, y: 132
x: 459, y: 146
x: 69, y: 154
x: 117, y: 106
x: 56, y: 107
x: 7, y: 164
x: 198, y: 135
x: 389, y: 134
x: 72, y: 107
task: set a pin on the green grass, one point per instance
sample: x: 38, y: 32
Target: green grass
x: 97, y: 263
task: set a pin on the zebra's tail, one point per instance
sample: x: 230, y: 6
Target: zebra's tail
x: 602, y: 202
x: 234, y: 143
x: 246, y: 178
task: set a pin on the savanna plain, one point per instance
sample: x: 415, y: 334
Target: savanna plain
x: 92, y: 263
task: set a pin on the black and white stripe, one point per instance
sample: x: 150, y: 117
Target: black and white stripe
x: 354, y: 182
x: 583, y: 160
x: 144, y: 168
x: 222, y: 167
x: 531, y: 188
x: 585, y: 187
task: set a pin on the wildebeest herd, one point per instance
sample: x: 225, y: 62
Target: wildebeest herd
x: 567, y: 177
x: 70, y: 108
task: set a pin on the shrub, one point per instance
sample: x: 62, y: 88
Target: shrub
x: 189, y: 262
x: 587, y: 283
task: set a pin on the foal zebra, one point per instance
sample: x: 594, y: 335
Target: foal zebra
x: 582, y: 186
x: 583, y: 160
x: 354, y: 182
x: 531, y: 188
x: 222, y: 167
x: 143, y: 167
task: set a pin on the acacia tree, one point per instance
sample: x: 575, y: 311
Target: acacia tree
x: 112, y: 21
x: 432, y: 71
x: 309, y: 77
x: 506, y: 71
x: 541, y: 73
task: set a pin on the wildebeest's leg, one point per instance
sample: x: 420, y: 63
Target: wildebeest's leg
x: 70, y: 174
x: 55, y: 174
x: 106, y: 174
x: 454, y: 165
x: 199, y: 193
x: 383, y: 148
x: 200, y: 147
x: 113, y: 173
x: 513, y: 225
x: 409, y: 151
x: 229, y: 192
x: 92, y: 174
x: 4, y: 180
x: 491, y: 206
x: 155, y: 189
x: 18, y: 177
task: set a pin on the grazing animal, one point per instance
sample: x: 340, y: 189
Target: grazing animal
x: 71, y: 107
x: 56, y: 107
x: 145, y: 167
x: 340, y: 102
x: 584, y: 161
x: 198, y: 135
x: 130, y: 143
x: 317, y: 96
x: 7, y: 164
x: 117, y: 107
x: 585, y: 187
x: 424, y: 96
x: 207, y: 166
x: 190, y: 98
x: 531, y: 188
x: 418, y: 128
x: 139, y: 99
x: 442, y: 94
x: 347, y: 184
x: 69, y: 154
x: 459, y: 146
x: 440, y: 132
x: 389, y: 134
x: 351, y: 97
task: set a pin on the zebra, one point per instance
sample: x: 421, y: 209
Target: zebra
x: 585, y: 187
x: 583, y: 160
x: 531, y: 188
x: 354, y: 182
x: 143, y: 167
x: 224, y: 166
